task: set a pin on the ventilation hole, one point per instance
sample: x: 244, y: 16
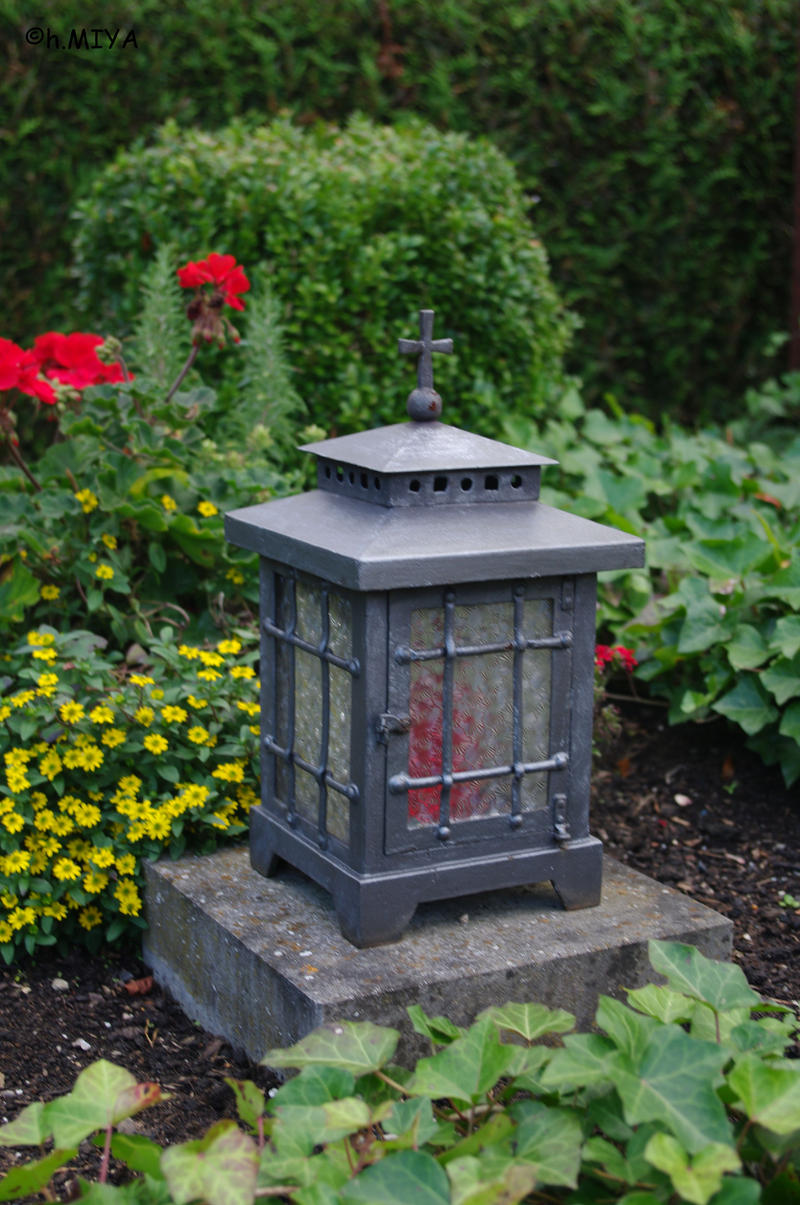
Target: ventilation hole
x: 466, y: 483
x: 414, y: 486
x: 351, y: 477
x: 516, y: 481
x: 491, y: 482
x: 327, y: 470
x: 439, y: 485
x: 339, y: 473
x: 377, y: 483
x: 364, y: 481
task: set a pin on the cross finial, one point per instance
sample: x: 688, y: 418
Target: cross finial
x: 424, y: 402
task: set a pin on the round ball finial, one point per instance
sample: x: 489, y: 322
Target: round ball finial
x: 424, y: 403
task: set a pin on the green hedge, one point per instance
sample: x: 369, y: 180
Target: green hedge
x: 358, y: 228
x: 657, y: 137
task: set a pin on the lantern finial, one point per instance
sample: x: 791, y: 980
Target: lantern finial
x: 424, y: 403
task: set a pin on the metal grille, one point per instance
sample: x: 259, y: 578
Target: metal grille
x: 455, y: 724
x: 314, y: 668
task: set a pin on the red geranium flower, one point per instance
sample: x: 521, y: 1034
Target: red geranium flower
x: 72, y: 360
x: 11, y: 357
x: 220, y: 270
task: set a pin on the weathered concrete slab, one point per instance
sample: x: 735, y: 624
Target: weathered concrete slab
x: 262, y: 962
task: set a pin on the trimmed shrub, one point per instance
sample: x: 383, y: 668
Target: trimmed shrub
x: 658, y: 138
x: 360, y: 228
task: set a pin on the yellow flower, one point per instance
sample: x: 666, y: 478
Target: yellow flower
x: 157, y: 693
x: 125, y: 864
x: 66, y: 869
x: 129, y: 902
x: 229, y: 772
x: 219, y: 820
x: 61, y: 825
x: 23, y: 698
x: 158, y: 826
x: 21, y: 917
x: 44, y: 820
x: 89, y: 917
x: 229, y: 646
x: 71, y: 712
x: 47, y: 684
x: 40, y: 639
x: 91, y: 758
x: 155, y: 744
x: 209, y: 658
x: 207, y: 509
x: 235, y: 576
x: 102, y: 857
x: 141, y: 680
x: 5, y: 712
x: 50, y: 764
x: 57, y: 910
x: 95, y: 881
x: 174, y: 715
x: 13, y: 821
x: 209, y: 675
x: 45, y: 655
x: 101, y: 714
x: 50, y: 593
x: 112, y: 738
x: 189, y: 651
x: 168, y: 502
x: 6, y: 932
x: 250, y: 708
x: 87, y: 499
x: 198, y: 735
x: 197, y: 704
x: 16, y: 861
x: 144, y: 715
x: 104, y: 572
x: 109, y: 540
x: 242, y: 671
x: 87, y: 815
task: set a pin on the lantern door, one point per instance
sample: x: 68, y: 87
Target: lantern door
x: 478, y: 720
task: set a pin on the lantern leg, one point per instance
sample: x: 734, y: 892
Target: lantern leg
x: 579, y: 884
x: 372, y: 914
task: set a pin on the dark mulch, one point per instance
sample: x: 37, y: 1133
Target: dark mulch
x: 688, y: 806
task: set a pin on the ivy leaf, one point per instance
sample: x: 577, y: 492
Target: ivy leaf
x: 790, y: 722
x: 314, y: 1124
x: 530, y: 1021
x: 550, y: 1138
x: 782, y: 678
x: 29, y: 1128
x: 674, y: 1085
x: 721, y: 984
x: 661, y: 1002
x: 769, y: 1095
x: 586, y: 1059
x: 466, y: 1069
x: 403, y: 1176
x: 220, y: 1168
x: 140, y: 1153
x: 698, y: 1179
x: 748, y: 705
x: 314, y: 1086
x: 250, y: 1101
x: 628, y: 1030
x: 355, y: 1046
x: 440, y: 1030
x: 103, y: 1095
x: 22, y: 1182
x: 786, y: 636
x: 487, y: 1181
x: 747, y: 648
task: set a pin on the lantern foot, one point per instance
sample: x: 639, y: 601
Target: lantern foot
x: 372, y: 914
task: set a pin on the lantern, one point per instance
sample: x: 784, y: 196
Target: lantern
x: 427, y: 631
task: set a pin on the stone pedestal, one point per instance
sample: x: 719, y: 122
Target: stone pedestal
x: 262, y: 961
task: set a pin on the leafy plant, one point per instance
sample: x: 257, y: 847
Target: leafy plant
x: 717, y: 620
x: 359, y: 227
x: 109, y: 761
x: 681, y: 1095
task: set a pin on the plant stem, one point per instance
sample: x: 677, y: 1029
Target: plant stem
x: 103, y: 1176
x: 190, y: 359
x: 18, y: 457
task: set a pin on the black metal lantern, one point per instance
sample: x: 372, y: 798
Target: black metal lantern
x: 427, y: 670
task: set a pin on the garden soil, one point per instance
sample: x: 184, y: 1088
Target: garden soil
x: 688, y: 806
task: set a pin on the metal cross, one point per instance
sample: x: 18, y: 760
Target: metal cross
x: 424, y: 347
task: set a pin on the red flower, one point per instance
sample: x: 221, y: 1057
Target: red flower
x: 605, y: 655
x: 72, y: 360
x: 220, y: 270
x: 11, y: 357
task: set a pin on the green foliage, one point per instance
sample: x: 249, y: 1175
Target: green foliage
x: 716, y: 620
x: 359, y: 229
x: 681, y: 1096
x: 118, y: 523
x: 654, y: 139
x: 107, y: 764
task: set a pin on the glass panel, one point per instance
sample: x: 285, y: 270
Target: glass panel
x: 339, y: 751
x: 340, y: 633
x: 309, y: 623
x: 536, y: 701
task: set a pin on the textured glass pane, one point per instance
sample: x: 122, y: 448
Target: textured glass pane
x: 309, y: 623
x: 339, y: 751
x: 340, y: 632
x: 536, y: 701
x: 306, y: 799
x: 307, y: 706
x: 483, y: 710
